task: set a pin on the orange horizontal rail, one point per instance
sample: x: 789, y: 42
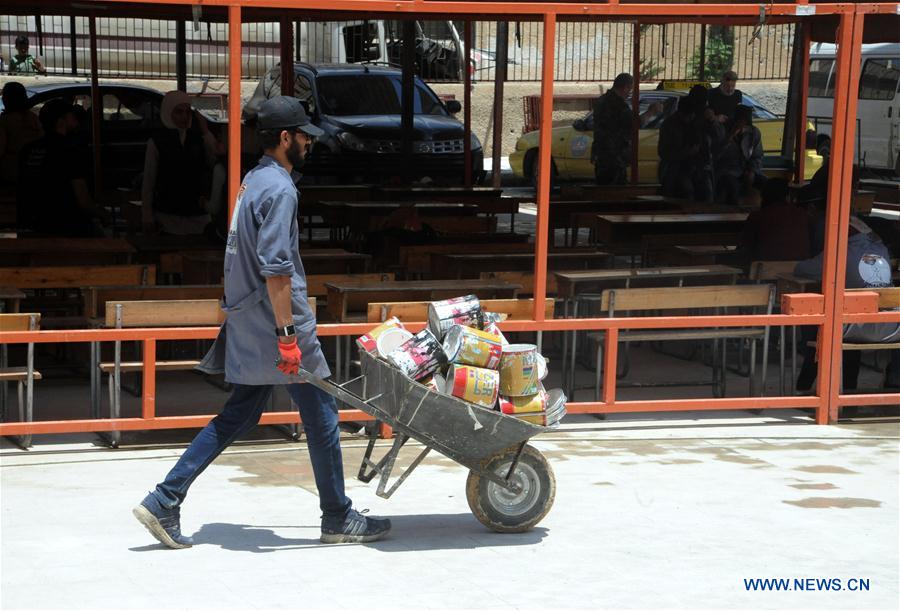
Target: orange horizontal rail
x: 870, y: 399
x: 675, y: 405
x: 330, y: 330
x: 518, y: 8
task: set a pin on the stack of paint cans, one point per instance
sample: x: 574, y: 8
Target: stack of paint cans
x: 522, y: 370
x: 463, y: 353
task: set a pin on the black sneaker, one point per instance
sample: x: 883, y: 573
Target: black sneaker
x: 354, y: 528
x: 164, y: 524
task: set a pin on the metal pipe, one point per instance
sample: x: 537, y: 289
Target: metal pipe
x: 234, y: 106
x: 96, y: 109
x: 543, y: 187
x: 407, y: 88
x: 467, y: 103
x: 635, y: 100
x: 804, y: 99
x: 837, y: 218
x: 501, y: 59
x: 73, y: 45
x: 181, y: 55
x: 286, y: 34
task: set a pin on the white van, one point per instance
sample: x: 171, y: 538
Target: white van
x: 878, y: 110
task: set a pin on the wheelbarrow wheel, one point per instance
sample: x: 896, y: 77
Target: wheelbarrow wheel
x: 513, y: 512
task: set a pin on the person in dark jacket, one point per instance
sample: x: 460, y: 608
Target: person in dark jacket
x: 778, y: 231
x: 740, y: 158
x: 613, y: 125
x: 679, y: 151
x: 177, y: 166
x: 725, y: 98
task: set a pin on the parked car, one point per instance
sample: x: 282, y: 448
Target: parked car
x: 130, y: 115
x: 571, y: 144
x: 358, y: 107
x: 878, y: 107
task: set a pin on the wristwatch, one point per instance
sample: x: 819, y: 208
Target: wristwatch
x: 285, y: 331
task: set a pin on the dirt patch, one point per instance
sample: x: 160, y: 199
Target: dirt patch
x: 814, y: 486
x: 826, y: 469
x: 822, y: 502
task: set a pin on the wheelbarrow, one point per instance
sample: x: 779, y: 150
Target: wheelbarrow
x: 510, y: 487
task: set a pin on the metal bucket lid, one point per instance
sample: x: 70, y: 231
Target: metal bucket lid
x: 391, y: 339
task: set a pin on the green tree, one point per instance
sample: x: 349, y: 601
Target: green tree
x: 719, y: 54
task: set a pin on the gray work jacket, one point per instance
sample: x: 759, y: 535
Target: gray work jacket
x: 263, y: 242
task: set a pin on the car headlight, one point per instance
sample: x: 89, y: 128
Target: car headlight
x: 349, y: 141
x: 474, y: 142
x: 423, y: 148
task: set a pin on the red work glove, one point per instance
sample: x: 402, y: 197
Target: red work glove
x: 289, y: 360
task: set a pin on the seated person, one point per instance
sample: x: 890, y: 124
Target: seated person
x: 867, y: 267
x: 18, y: 127
x: 53, y: 196
x: 24, y: 62
x: 778, y: 231
x: 177, y: 168
x: 739, y: 161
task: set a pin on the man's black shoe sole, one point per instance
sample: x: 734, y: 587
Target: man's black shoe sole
x: 152, y: 524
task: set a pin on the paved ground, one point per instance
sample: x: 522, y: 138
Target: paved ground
x: 650, y: 512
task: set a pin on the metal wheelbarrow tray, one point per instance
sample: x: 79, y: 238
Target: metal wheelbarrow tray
x: 510, y: 487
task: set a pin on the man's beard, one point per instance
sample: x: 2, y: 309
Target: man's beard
x: 295, y: 155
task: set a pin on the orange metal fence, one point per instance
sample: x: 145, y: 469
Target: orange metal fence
x: 827, y: 399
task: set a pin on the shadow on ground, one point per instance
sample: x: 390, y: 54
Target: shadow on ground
x: 409, y: 533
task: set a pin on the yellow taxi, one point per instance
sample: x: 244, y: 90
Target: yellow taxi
x: 571, y: 144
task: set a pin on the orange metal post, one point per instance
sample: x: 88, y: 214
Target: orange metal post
x: 234, y: 105
x: 804, y: 91
x: 96, y: 108
x: 543, y: 187
x: 635, y: 100
x: 148, y: 403
x: 838, y: 214
x: 467, y: 100
x: 286, y: 36
x: 610, y: 361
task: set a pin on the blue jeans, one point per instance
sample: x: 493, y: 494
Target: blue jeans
x: 240, y: 414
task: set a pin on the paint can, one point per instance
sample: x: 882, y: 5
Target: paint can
x: 468, y: 346
x: 521, y: 370
x: 494, y: 329
x: 473, y: 384
x: 391, y: 339
x: 369, y: 341
x: 419, y: 356
x: 465, y: 311
x: 556, y: 406
x: 524, y: 405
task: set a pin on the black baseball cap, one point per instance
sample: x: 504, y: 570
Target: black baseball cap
x: 283, y: 112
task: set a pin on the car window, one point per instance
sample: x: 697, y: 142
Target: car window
x: 428, y: 103
x: 879, y: 78
x: 821, y: 84
x: 128, y: 107
x: 759, y: 111
x: 358, y: 95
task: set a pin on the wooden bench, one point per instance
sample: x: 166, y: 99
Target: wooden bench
x: 888, y: 298
x: 526, y: 279
x: 417, y: 311
x: 759, y: 298
x: 24, y: 377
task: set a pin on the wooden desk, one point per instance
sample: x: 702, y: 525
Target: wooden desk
x: 789, y: 283
x: 702, y: 254
x: 570, y: 283
x: 470, y: 265
x: 628, y: 229
x: 343, y: 296
x: 65, y: 251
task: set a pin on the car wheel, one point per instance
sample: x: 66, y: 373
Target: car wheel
x: 531, y: 169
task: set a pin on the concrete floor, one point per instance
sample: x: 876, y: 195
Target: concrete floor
x: 651, y: 511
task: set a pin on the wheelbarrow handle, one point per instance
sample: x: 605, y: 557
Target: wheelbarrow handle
x: 340, y: 392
